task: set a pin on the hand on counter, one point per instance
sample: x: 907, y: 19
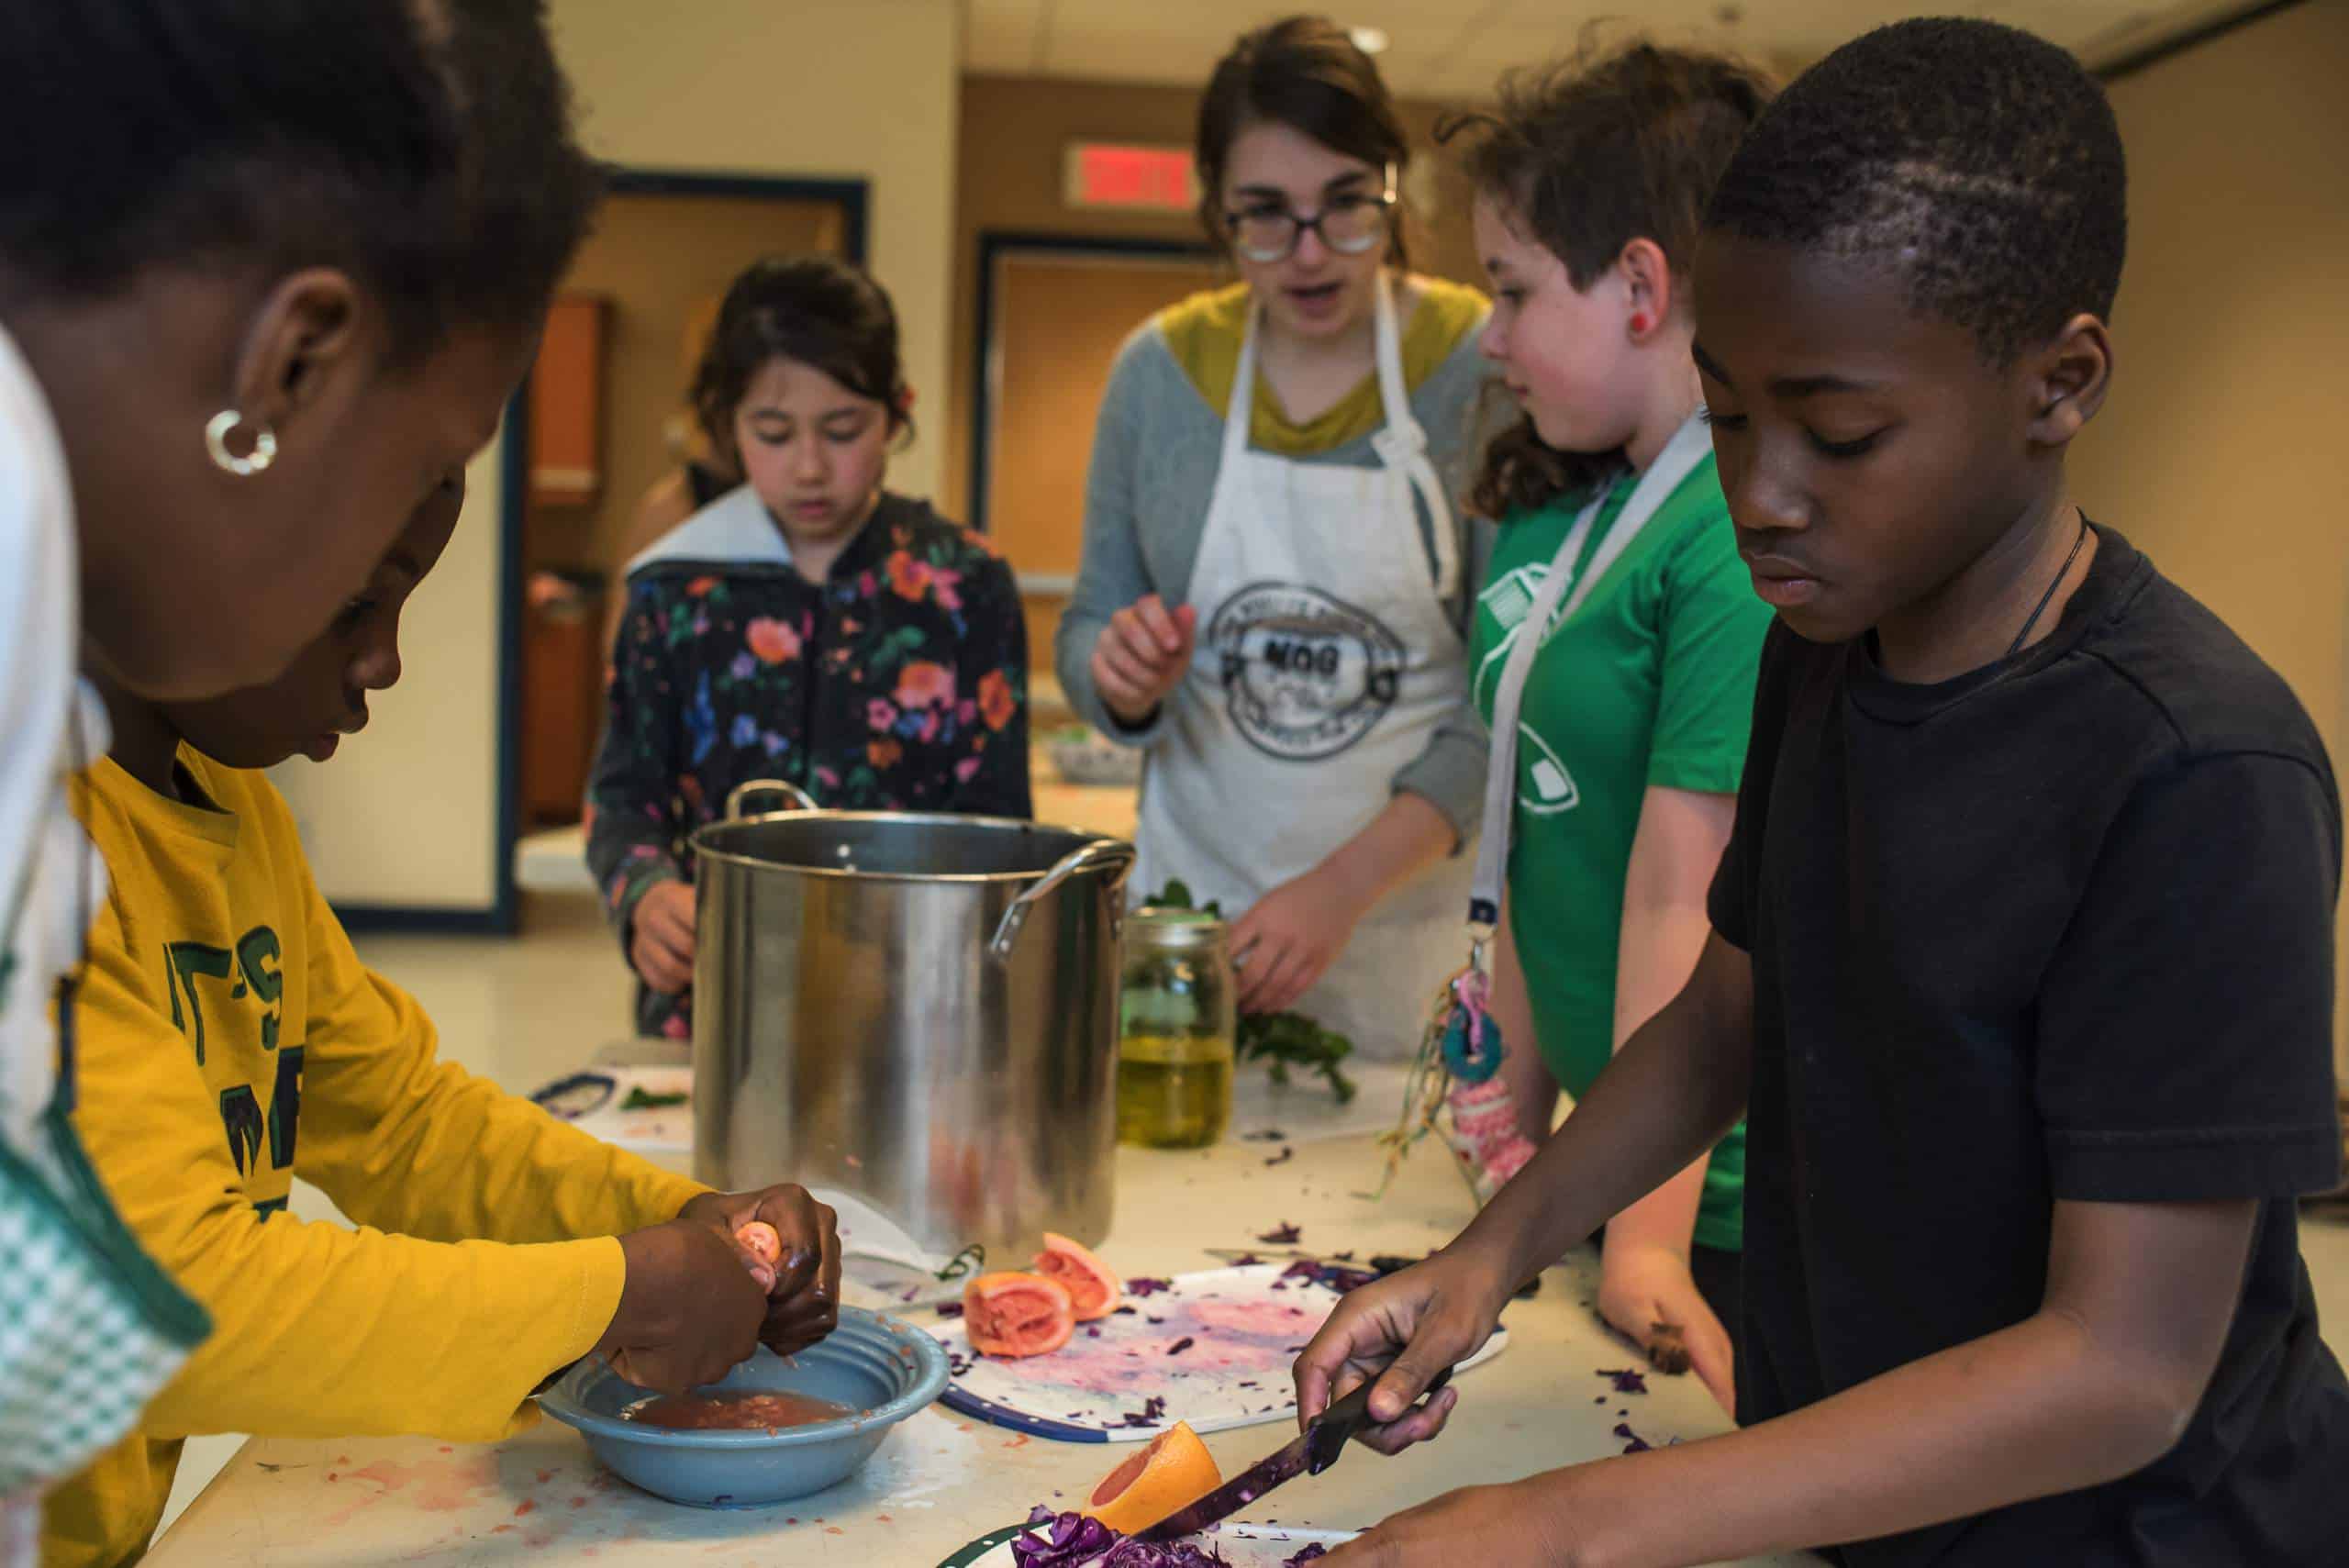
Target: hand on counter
x: 1291, y: 937
x: 1141, y: 656
x: 1515, y: 1525
x: 804, y: 1302
x: 1641, y: 1287
x: 660, y: 944
x: 1403, y: 1330
x: 689, y: 1311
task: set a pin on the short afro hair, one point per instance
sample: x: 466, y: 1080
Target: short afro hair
x: 1981, y: 161
x: 424, y: 145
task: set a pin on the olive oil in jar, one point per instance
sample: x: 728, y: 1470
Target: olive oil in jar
x: 1174, y: 1091
x: 1179, y: 1021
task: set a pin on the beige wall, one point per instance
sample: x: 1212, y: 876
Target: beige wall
x: 406, y: 813
x: 2221, y: 451
x: 861, y: 88
x: 827, y: 88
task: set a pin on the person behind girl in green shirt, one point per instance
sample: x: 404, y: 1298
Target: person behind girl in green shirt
x: 1631, y: 736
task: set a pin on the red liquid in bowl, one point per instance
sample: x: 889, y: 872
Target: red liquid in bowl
x: 743, y: 1410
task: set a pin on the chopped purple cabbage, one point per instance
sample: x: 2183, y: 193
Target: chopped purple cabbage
x: 1329, y: 1275
x: 1147, y: 1287
x: 1281, y: 1234
x: 1628, y: 1379
x: 1072, y: 1541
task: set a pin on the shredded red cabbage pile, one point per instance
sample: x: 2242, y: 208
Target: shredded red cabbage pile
x: 1072, y: 1541
x: 1341, y: 1279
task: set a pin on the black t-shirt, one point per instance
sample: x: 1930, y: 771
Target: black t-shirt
x: 2061, y: 929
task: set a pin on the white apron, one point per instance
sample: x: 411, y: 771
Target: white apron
x: 1325, y: 662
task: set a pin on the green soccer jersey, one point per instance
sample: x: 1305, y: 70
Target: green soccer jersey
x: 1650, y: 682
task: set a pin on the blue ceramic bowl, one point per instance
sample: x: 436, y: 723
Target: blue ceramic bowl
x: 877, y: 1367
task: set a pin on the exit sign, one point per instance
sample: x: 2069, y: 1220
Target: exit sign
x: 1128, y: 177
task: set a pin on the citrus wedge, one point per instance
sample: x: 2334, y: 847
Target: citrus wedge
x: 1016, y: 1315
x: 1094, y: 1288
x: 1174, y: 1471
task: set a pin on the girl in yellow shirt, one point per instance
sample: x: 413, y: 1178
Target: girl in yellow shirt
x: 231, y: 1040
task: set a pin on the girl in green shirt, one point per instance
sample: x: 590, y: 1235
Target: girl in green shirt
x: 1632, y: 730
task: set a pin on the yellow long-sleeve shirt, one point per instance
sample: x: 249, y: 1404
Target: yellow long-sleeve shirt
x: 229, y: 1039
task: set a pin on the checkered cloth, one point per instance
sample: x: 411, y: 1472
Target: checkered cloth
x: 89, y: 1327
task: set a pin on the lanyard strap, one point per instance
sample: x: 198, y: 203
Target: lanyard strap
x: 1689, y: 447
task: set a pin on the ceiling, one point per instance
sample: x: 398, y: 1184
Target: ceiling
x: 1456, y: 48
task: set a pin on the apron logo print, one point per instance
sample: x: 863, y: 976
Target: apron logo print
x: 1305, y: 675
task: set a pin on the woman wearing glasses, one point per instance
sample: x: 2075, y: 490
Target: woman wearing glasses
x: 1275, y: 584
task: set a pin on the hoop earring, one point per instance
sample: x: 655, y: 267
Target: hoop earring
x: 215, y: 441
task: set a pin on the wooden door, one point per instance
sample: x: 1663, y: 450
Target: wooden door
x: 1058, y: 318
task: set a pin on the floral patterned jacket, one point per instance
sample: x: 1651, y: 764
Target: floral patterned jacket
x: 898, y: 683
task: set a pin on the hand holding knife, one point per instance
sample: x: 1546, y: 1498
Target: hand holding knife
x: 1309, y: 1453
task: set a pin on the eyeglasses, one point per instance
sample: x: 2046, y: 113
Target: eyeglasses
x: 1349, y: 225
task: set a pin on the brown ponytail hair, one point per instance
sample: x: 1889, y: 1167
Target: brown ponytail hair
x: 1585, y: 156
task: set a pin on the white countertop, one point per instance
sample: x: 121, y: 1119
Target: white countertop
x: 942, y: 1480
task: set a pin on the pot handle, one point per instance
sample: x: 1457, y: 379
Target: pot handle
x: 800, y: 799
x: 1115, y: 854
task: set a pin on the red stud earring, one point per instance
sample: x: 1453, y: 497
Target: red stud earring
x: 1639, y: 321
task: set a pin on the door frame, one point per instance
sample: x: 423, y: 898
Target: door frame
x: 502, y: 915
x: 996, y: 244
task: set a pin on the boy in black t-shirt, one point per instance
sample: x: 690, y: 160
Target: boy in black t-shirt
x: 2022, y: 963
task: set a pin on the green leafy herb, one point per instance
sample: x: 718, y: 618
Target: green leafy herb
x: 638, y: 1100
x: 1176, y: 894
x: 1282, y: 1041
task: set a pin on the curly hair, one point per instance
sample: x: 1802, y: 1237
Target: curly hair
x: 1984, y: 163
x: 1587, y: 155
x: 425, y: 146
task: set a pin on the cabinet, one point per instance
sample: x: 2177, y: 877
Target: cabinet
x: 567, y: 405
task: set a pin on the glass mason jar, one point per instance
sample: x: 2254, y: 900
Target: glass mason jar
x: 1178, y: 1016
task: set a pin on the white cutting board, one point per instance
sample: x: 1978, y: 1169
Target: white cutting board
x: 1245, y: 1325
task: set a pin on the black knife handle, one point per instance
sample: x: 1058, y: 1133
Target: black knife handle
x: 1348, y: 1419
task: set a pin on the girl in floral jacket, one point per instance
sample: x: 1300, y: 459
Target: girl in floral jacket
x: 808, y: 625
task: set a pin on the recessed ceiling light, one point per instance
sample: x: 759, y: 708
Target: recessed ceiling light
x: 1370, y: 40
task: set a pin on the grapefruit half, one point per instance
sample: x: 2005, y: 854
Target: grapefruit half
x: 1094, y: 1288
x: 1016, y: 1315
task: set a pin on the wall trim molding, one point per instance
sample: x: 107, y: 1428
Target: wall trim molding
x: 2131, y: 63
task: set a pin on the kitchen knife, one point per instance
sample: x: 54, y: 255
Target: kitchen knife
x: 1309, y: 1453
